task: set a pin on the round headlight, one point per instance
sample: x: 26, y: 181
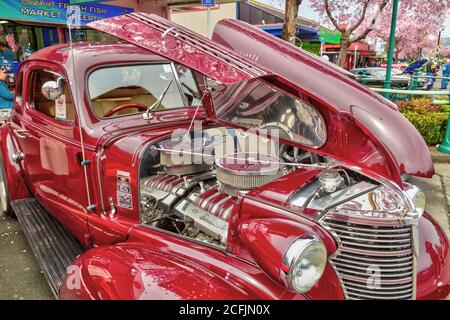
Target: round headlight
x: 419, y: 201
x: 304, y: 263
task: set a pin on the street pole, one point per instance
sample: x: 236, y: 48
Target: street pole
x: 444, y: 147
x: 354, y: 58
x: 439, y: 37
x: 387, y: 82
x: 439, y: 43
x: 208, y: 18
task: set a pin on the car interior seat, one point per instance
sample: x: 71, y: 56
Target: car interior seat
x: 117, y: 97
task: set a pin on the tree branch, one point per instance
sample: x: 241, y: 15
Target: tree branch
x: 330, y: 15
x: 370, y: 27
x: 361, y: 19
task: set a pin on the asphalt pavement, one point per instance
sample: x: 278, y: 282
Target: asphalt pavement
x: 20, y: 276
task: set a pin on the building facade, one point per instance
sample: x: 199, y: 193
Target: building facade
x: 35, y: 24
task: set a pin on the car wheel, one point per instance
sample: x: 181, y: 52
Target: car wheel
x: 5, y: 204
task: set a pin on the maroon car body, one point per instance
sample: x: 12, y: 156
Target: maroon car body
x: 127, y: 258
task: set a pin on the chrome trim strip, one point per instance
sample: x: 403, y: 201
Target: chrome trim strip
x: 217, y: 205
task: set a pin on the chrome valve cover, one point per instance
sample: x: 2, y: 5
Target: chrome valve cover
x: 196, y: 199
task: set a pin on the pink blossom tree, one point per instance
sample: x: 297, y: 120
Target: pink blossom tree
x: 353, y: 19
x: 358, y: 19
x: 445, y: 52
x: 416, y: 25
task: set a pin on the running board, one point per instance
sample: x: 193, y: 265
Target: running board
x: 54, y: 247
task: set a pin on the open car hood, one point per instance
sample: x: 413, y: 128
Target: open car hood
x: 395, y: 137
x: 179, y: 44
x: 240, y: 52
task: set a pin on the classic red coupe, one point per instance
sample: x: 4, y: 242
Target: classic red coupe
x: 133, y: 169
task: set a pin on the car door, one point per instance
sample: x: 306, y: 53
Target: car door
x: 49, y: 140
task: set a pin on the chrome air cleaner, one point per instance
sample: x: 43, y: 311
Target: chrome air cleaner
x: 245, y: 171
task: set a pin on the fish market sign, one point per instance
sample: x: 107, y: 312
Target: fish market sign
x: 86, y: 1
x: 54, y: 11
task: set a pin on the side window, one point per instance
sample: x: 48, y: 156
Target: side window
x: 18, y: 93
x: 60, y: 109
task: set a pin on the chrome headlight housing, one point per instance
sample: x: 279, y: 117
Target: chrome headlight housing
x: 417, y: 199
x: 419, y: 202
x: 304, y: 263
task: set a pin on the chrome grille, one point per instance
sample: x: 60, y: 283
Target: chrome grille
x: 372, y: 261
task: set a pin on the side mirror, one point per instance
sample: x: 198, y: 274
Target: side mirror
x: 52, y: 90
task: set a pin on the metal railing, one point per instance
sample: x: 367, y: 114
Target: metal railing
x: 413, y: 87
x: 413, y: 93
x: 445, y: 145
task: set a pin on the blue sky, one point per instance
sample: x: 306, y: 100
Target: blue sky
x: 305, y: 11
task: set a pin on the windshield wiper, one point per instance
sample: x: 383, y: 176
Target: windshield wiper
x: 157, y: 102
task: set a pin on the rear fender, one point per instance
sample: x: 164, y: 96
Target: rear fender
x: 16, y: 183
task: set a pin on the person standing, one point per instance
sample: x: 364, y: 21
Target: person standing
x: 431, y: 74
x: 445, y: 74
x: 6, y: 96
x: 6, y: 55
x: 25, y: 46
x: 6, y: 64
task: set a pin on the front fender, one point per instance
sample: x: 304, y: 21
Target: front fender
x: 268, y: 239
x: 433, y: 264
x: 133, y: 271
x: 16, y: 185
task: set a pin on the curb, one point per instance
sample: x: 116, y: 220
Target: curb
x: 439, y: 156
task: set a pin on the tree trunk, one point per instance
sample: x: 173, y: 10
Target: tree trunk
x: 290, y: 17
x: 345, y: 43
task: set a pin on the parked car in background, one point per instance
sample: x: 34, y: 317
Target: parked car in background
x: 397, y: 66
x: 93, y: 169
x: 375, y: 77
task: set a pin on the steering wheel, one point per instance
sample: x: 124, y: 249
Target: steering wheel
x: 139, y: 106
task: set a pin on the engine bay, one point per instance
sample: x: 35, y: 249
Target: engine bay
x: 190, y: 185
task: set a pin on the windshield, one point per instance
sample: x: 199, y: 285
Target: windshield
x: 257, y: 105
x: 122, y: 90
